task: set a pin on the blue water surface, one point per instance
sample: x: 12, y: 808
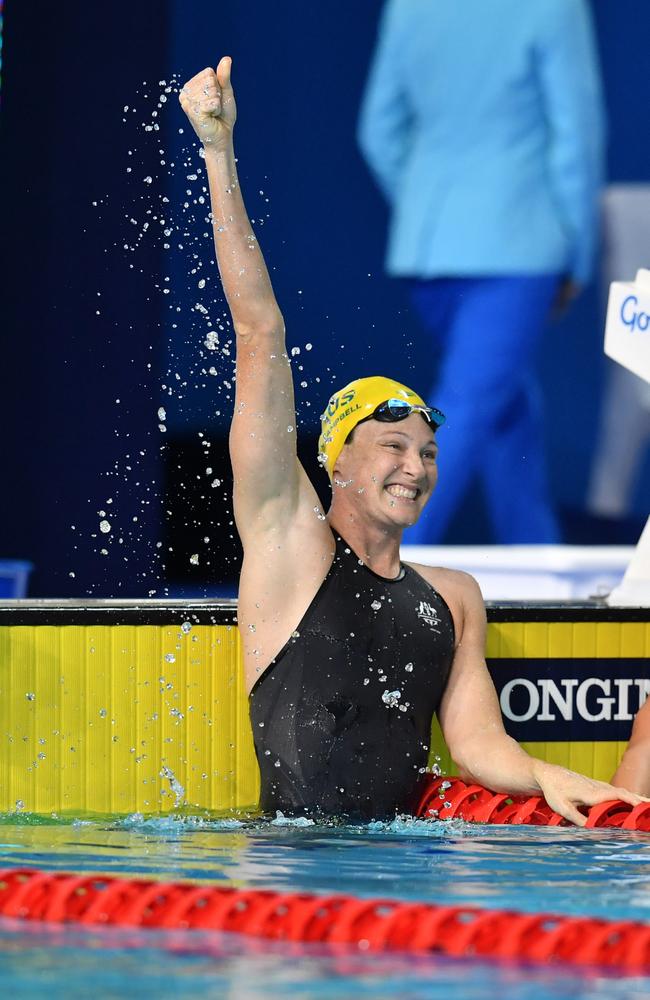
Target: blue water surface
x: 568, y: 871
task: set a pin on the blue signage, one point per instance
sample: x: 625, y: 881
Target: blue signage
x: 570, y: 699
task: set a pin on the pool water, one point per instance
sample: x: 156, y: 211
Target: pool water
x: 568, y: 871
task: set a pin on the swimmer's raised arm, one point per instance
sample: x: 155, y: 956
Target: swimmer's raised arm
x: 471, y: 722
x: 262, y: 438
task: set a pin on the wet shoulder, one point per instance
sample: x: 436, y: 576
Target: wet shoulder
x: 459, y: 590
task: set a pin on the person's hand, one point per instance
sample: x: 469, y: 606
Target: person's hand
x: 209, y: 103
x: 565, y: 790
x: 568, y: 291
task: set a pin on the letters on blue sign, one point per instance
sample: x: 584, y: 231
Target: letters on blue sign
x: 554, y: 700
x: 629, y: 315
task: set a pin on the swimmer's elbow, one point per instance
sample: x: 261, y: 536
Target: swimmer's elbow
x: 475, y: 757
x: 462, y: 758
x: 268, y: 327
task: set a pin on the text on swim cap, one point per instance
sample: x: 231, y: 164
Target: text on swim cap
x: 338, y: 401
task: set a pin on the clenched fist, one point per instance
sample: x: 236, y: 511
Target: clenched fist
x: 209, y: 103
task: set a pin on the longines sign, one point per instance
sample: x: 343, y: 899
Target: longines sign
x: 573, y: 699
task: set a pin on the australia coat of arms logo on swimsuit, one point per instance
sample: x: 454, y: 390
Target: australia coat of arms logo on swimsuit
x: 427, y: 613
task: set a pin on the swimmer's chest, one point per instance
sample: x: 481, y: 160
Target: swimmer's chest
x: 362, y: 630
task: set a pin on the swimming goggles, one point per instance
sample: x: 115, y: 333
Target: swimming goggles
x: 393, y: 410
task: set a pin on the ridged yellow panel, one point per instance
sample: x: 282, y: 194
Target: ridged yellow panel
x: 119, y: 719
x: 567, y: 639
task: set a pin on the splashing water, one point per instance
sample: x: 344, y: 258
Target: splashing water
x: 167, y: 217
x: 175, y: 786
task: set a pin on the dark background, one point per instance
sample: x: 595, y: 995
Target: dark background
x: 84, y: 317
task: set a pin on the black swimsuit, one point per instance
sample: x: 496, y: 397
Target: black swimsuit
x: 342, y: 716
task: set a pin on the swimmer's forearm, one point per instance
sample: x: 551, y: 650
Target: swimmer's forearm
x: 244, y: 275
x: 498, y: 762
x: 486, y: 755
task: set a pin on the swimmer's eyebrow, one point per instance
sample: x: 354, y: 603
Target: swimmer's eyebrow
x: 429, y: 444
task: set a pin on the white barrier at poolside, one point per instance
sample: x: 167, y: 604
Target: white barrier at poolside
x: 531, y: 572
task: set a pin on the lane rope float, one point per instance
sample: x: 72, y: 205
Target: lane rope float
x: 450, y: 798
x: 367, y: 924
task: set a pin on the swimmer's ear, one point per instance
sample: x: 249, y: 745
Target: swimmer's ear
x: 223, y: 72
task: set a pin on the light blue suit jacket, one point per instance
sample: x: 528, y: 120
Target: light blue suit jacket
x: 482, y: 123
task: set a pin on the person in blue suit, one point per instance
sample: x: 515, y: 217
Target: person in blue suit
x: 482, y: 123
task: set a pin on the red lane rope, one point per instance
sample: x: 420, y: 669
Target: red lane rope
x: 369, y: 924
x: 375, y: 924
x: 451, y: 798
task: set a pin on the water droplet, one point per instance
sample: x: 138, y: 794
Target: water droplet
x: 409, y: 668
x: 194, y: 559
x: 104, y: 527
x: 175, y: 785
x: 376, y: 605
x: 186, y: 627
x: 102, y: 713
x: 30, y: 696
x: 162, y: 414
x: 170, y: 658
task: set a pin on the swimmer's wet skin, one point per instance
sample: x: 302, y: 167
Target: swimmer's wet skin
x: 300, y: 617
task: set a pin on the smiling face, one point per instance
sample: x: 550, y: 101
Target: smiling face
x: 389, y: 470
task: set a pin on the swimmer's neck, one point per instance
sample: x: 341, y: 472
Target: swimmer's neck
x: 376, y: 544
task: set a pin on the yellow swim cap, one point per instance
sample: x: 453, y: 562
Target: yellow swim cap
x: 350, y: 405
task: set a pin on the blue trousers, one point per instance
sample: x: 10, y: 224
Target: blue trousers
x: 486, y: 331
